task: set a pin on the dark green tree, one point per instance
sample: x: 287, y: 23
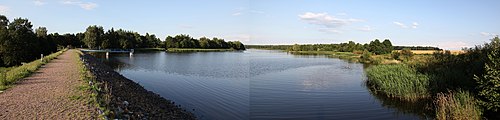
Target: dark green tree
x: 387, y: 46
x: 376, y: 47
x: 21, y: 45
x: 489, y: 82
x: 4, y: 36
x: 93, y: 36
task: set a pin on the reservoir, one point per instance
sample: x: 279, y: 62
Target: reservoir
x: 260, y: 84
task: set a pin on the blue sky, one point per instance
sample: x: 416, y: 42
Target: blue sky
x: 448, y: 24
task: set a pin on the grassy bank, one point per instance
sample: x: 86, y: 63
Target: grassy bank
x: 149, y: 49
x: 94, y: 88
x: 352, y: 56
x: 196, y: 50
x: 10, y: 75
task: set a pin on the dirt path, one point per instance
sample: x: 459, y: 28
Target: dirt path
x: 50, y: 93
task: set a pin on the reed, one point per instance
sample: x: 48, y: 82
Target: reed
x: 457, y: 106
x: 398, y: 81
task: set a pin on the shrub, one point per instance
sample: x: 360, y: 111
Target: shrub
x: 489, y: 83
x: 366, y: 56
x: 403, y: 55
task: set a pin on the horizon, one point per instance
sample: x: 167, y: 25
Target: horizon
x: 447, y: 24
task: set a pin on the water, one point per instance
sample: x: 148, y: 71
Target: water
x: 261, y: 84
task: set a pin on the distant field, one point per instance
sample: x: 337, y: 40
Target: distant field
x: 420, y: 52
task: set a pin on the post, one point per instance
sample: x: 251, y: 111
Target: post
x: 107, y: 55
x: 41, y: 58
x: 131, y: 52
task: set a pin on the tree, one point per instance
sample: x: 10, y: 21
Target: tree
x: 204, y: 42
x: 41, y: 32
x: 387, y: 46
x: 376, y: 47
x: 4, y: 36
x: 489, y: 82
x: 93, y: 36
x: 20, y: 37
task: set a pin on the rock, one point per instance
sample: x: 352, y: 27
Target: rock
x: 125, y: 103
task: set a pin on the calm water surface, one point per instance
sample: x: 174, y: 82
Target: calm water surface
x: 260, y: 84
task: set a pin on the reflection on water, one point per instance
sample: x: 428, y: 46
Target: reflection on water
x: 260, y: 84
x: 423, y: 108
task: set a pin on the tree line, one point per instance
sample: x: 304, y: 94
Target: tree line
x: 186, y: 41
x: 374, y: 46
x: 20, y: 43
x: 96, y: 38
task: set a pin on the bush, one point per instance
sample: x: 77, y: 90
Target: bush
x: 457, y: 106
x: 489, y: 83
x: 403, y: 55
x: 366, y: 56
x: 398, y: 81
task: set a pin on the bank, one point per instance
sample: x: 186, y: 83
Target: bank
x: 121, y: 98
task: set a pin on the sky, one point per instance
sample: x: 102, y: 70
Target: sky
x: 448, y: 24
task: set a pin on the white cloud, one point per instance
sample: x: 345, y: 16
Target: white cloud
x: 88, y: 6
x: 329, y: 23
x: 414, y: 25
x: 4, y: 9
x: 84, y: 5
x: 38, y: 2
x: 365, y: 28
x: 400, y: 24
x: 487, y: 34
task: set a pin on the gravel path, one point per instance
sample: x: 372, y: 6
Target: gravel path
x: 50, y: 93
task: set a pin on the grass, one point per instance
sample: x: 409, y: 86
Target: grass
x: 149, y: 49
x: 341, y: 55
x: 11, y: 75
x: 398, y: 81
x: 457, y: 106
x: 97, y: 96
x: 197, y: 50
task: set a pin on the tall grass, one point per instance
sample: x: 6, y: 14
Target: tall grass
x: 398, y: 81
x: 457, y: 106
x: 7, y: 78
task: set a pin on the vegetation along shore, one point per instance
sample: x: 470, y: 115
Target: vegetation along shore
x: 462, y: 84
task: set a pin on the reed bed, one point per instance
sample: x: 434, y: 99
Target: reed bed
x: 398, y: 81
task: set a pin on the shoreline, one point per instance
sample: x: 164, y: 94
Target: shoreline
x: 129, y: 100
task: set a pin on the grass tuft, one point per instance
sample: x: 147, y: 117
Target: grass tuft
x: 457, y: 106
